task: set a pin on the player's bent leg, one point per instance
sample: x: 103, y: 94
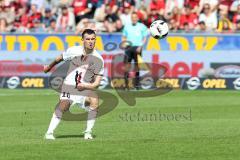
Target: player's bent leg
x: 92, y: 114
x: 64, y: 105
x: 61, y: 107
x: 126, y: 73
x: 137, y: 76
x: 127, y: 66
x: 136, y: 66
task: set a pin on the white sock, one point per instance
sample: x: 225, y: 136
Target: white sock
x: 56, y: 118
x: 92, y: 114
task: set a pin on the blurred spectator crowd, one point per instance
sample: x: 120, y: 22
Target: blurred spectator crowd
x: 61, y: 16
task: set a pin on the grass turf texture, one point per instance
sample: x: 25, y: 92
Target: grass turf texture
x: 213, y: 132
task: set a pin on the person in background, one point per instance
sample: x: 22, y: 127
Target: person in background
x: 208, y: 17
x: 194, y: 4
x: 24, y: 2
x: 238, y: 26
x: 112, y: 22
x: 121, y: 4
x: 171, y: 4
x: 113, y: 4
x: 106, y: 17
x: 153, y: 16
x: 86, y: 24
x: 82, y: 9
x: 8, y: 13
x: 202, y: 27
x: 66, y: 20
x: 39, y: 3
x: 224, y: 23
x: 135, y: 33
x: 38, y: 27
x: 213, y: 5
x: 53, y: 27
x: 186, y: 27
x: 234, y: 6
x: 225, y: 5
x: 174, y: 15
x: 236, y: 16
x: 56, y: 5
x: 2, y: 15
x: 142, y: 14
x: 47, y: 17
x: 15, y: 6
x: 21, y: 20
x: 21, y: 15
x: 173, y: 25
x: 33, y: 16
x: 99, y: 3
x: 126, y: 15
x: 100, y: 14
x: 188, y: 17
x: 4, y: 27
x: 159, y: 5
x: 140, y: 3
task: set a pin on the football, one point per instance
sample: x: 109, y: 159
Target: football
x: 159, y: 29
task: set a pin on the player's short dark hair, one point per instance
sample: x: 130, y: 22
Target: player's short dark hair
x: 88, y: 31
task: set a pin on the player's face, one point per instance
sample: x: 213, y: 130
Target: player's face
x: 89, y: 41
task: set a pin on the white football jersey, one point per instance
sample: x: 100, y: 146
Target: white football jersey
x: 72, y: 52
x: 82, y: 70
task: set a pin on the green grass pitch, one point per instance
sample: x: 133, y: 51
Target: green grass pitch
x: 212, y: 131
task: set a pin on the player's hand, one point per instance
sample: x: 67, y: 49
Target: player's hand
x: 80, y: 86
x: 46, y: 68
x: 125, y: 44
x: 139, y: 49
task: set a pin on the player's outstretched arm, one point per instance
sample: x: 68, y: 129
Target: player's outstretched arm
x: 93, y: 85
x: 57, y: 60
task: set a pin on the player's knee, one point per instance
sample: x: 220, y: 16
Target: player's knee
x: 64, y: 105
x: 94, y: 103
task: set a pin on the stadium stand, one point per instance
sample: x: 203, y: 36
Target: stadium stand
x: 63, y: 16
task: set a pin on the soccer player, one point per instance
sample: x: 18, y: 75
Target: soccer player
x: 136, y: 33
x: 84, y: 75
